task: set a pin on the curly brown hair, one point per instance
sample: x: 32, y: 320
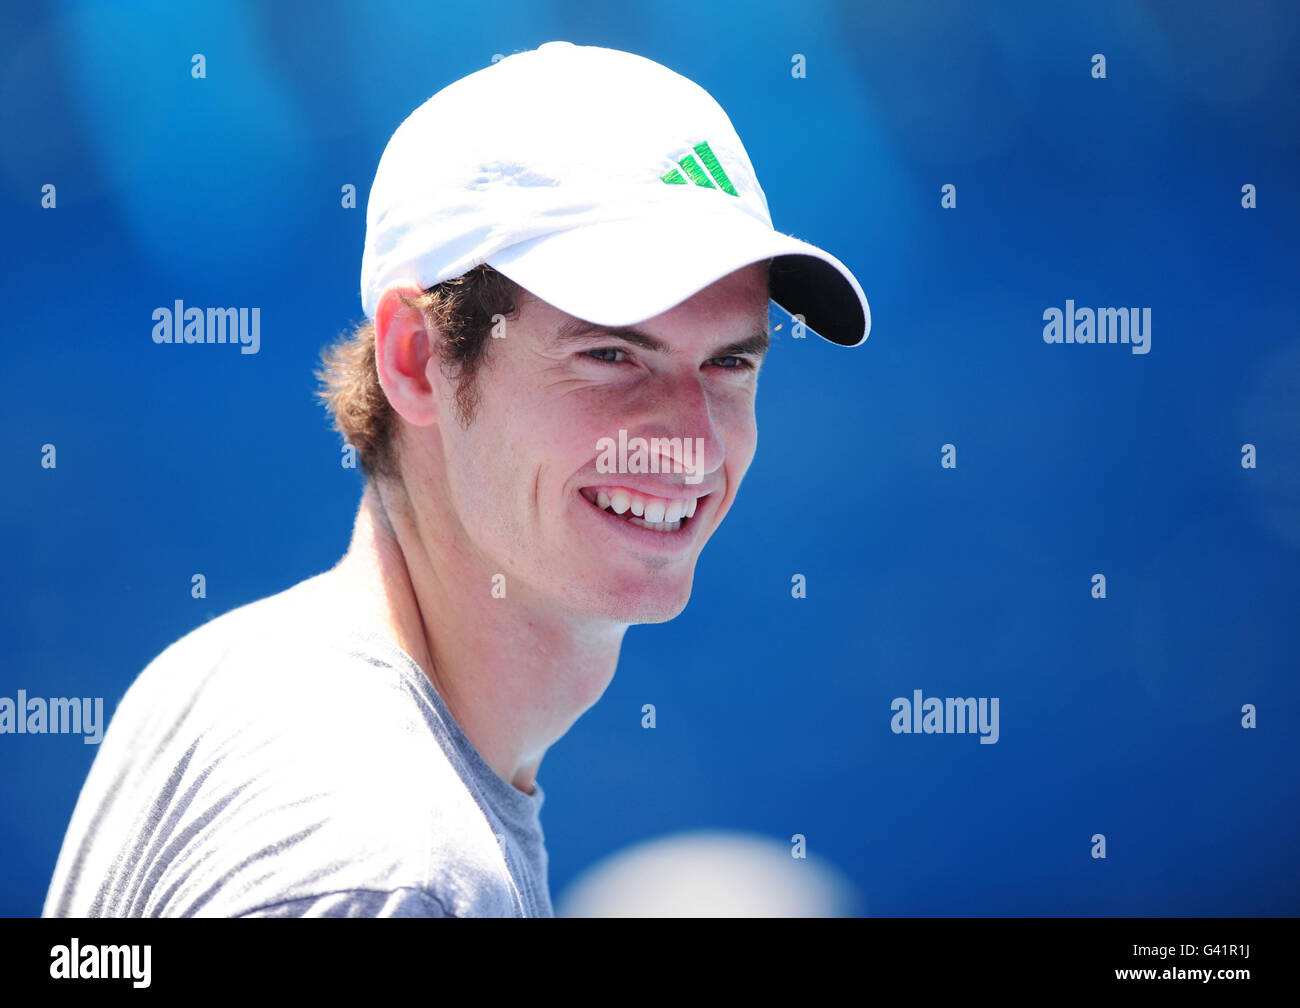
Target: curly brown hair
x: 462, y: 312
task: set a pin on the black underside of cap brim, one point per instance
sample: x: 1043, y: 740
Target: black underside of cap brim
x: 811, y: 287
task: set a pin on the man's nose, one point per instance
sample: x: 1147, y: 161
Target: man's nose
x: 680, y: 413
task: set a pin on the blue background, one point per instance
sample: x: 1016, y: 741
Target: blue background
x: 1118, y: 716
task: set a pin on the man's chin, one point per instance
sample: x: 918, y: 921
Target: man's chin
x: 654, y: 603
x: 656, y: 614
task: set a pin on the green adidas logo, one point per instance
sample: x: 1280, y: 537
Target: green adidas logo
x: 699, y: 175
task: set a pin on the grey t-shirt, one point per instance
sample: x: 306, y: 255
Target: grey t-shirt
x: 274, y: 763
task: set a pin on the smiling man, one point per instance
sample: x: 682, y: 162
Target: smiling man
x: 566, y: 248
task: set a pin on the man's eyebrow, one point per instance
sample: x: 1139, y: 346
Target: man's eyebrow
x: 755, y: 345
x: 751, y: 346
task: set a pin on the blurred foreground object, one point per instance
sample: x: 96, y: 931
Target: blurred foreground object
x: 710, y: 874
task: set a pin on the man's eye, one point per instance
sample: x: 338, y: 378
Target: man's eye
x: 738, y: 363
x: 606, y: 354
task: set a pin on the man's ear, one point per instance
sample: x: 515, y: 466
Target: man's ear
x: 404, y: 351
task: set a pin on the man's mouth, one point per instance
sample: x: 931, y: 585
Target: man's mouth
x: 659, y: 514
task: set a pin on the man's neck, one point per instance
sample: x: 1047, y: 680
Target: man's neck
x: 515, y: 678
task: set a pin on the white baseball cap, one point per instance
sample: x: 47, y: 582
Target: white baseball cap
x: 601, y: 182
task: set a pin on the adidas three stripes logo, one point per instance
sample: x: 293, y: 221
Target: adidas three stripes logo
x: 706, y: 176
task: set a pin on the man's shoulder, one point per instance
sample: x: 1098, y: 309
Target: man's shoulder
x: 281, y: 649
x: 404, y: 901
x: 283, y: 624
x: 278, y: 681
x: 303, y: 765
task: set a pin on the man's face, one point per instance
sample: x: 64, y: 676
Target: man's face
x: 529, y: 481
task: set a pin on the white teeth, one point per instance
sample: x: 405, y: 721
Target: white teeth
x: 657, y: 526
x: 651, y: 512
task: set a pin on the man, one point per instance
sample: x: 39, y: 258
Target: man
x: 565, y: 251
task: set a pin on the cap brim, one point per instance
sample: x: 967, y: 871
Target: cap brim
x: 623, y: 272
